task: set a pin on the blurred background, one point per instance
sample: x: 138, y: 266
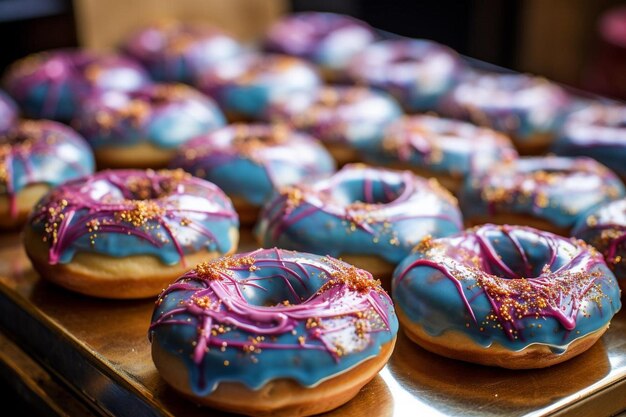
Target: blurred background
x: 578, y: 42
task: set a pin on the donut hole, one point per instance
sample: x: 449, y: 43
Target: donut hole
x: 524, y: 253
x: 355, y: 191
x: 272, y: 287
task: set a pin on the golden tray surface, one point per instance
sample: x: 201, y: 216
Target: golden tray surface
x: 100, y: 349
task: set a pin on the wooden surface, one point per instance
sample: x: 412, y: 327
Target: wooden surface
x: 100, y: 349
x: 103, y: 24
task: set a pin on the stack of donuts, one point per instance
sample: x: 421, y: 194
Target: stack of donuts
x: 156, y: 157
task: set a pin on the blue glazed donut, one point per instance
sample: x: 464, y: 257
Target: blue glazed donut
x: 417, y: 72
x: 128, y: 233
x: 180, y: 52
x: 348, y: 120
x: 531, y: 110
x: 251, y: 161
x: 34, y: 156
x: 284, y: 330
x: 143, y: 128
x: 597, y: 131
x: 8, y: 112
x: 360, y: 213
x: 247, y: 86
x: 449, y: 150
x: 605, y: 229
x: 508, y: 296
x: 327, y: 39
x: 51, y: 84
x: 550, y: 193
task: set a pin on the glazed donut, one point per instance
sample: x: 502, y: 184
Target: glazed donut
x: 417, y: 72
x: 245, y: 87
x: 529, y: 109
x: 597, y: 131
x: 143, y: 128
x: 327, y: 39
x: 371, y: 217
x: 549, y: 193
x: 8, y: 112
x: 250, y: 161
x: 348, y: 120
x: 176, y: 51
x: 51, y: 84
x: 34, y: 156
x: 508, y: 296
x: 605, y: 229
x: 448, y: 150
x: 128, y: 233
x: 293, y: 334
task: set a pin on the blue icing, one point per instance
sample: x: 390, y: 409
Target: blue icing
x: 431, y: 299
x: 198, y: 215
x: 61, y: 98
x: 306, y: 366
x: 70, y: 159
x: 324, y: 227
x: 174, y: 127
x: 120, y: 245
x: 250, y: 100
x: 566, y: 202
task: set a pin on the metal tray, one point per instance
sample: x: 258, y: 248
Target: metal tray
x: 100, y: 350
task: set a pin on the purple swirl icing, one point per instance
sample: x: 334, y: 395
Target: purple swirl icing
x: 605, y: 229
x: 164, y: 115
x: 417, y: 72
x: 125, y: 212
x: 253, y: 160
x: 443, y: 145
x: 327, y: 39
x: 293, y: 315
x: 512, y: 285
x: 517, y: 104
x: 556, y: 189
x: 8, y: 111
x: 51, y: 84
x: 176, y: 51
x: 360, y: 210
x: 40, y: 152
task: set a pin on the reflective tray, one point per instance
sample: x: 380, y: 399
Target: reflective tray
x: 100, y: 350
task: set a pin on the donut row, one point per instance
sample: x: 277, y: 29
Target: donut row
x: 295, y: 330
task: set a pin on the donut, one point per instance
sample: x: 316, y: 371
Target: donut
x: 348, y: 120
x: 549, y: 193
x: 179, y: 52
x: 34, y: 156
x: 327, y: 39
x: 597, y: 131
x: 51, y: 84
x: 417, y: 72
x: 507, y: 296
x: 370, y: 217
x: 128, y: 233
x: 8, y: 112
x: 250, y: 161
x: 605, y: 229
x: 448, y: 150
x: 292, y: 333
x: 245, y: 87
x: 143, y: 128
x: 529, y: 109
